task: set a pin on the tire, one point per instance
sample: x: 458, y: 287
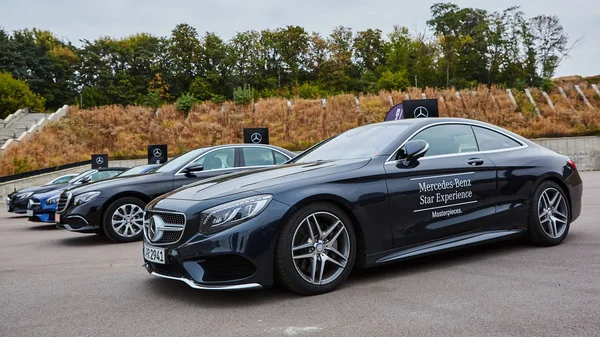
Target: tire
x: 128, y: 226
x: 549, y: 218
x: 332, y: 253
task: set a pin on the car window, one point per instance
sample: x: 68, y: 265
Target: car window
x: 257, y: 156
x: 218, y: 159
x: 62, y: 180
x: 101, y: 175
x: 279, y: 158
x: 491, y: 140
x: 448, y: 139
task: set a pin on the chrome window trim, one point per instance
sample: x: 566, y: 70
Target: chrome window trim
x: 176, y: 227
x: 230, y: 168
x: 523, y: 145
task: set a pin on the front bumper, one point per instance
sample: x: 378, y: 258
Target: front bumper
x: 86, y: 218
x: 43, y: 213
x: 237, y: 258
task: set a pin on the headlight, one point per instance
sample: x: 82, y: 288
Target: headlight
x: 232, y: 213
x: 53, y: 200
x: 23, y: 195
x: 85, y: 197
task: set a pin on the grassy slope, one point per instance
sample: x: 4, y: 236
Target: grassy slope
x: 126, y: 131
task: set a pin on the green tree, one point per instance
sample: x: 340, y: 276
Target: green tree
x: 15, y: 94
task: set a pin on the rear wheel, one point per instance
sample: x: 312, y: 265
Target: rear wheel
x: 550, y: 215
x: 124, y: 220
x: 316, y: 250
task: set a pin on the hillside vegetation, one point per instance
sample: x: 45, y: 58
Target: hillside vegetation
x: 126, y: 131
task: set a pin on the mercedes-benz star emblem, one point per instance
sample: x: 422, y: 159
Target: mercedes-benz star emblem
x: 256, y: 138
x: 421, y: 112
x: 155, y: 228
x: 99, y: 160
x: 157, y: 152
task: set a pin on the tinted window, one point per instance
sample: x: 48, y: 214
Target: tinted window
x: 448, y: 139
x: 62, y: 180
x: 137, y: 170
x: 279, y: 158
x: 358, y: 143
x: 257, y: 156
x: 101, y: 175
x: 492, y: 140
x: 218, y: 159
x: 179, y: 161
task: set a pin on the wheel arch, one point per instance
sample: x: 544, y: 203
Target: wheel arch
x: 346, y: 207
x: 555, y: 178
x: 145, y: 198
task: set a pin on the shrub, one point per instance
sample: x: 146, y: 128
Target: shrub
x: 393, y: 81
x: 242, y: 95
x: 15, y: 94
x: 309, y: 91
x: 153, y: 99
x: 185, y: 103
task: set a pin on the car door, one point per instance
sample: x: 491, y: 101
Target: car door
x: 449, y: 191
x: 216, y: 162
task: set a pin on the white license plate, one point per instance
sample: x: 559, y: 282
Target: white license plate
x: 153, y: 254
x: 29, y: 212
x: 56, y: 217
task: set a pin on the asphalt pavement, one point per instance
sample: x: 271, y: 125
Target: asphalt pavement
x: 57, y: 283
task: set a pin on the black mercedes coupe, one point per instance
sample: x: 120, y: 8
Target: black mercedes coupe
x: 372, y: 195
x: 115, y: 207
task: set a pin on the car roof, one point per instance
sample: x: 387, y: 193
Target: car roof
x: 113, y: 168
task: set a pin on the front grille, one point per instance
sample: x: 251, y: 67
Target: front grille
x: 226, y: 268
x: 172, y: 227
x: 63, y: 202
x: 173, y: 268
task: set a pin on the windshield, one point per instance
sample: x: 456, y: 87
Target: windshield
x: 81, y: 175
x: 362, y: 142
x: 137, y: 170
x: 62, y: 180
x: 178, y: 162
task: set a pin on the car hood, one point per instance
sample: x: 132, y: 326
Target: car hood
x: 108, y: 184
x: 43, y: 188
x: 49, y: 194
x: 236, y: 183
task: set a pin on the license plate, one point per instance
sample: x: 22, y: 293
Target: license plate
x: 56, y: 217
x: 29, y: 212
x: 153, y: 254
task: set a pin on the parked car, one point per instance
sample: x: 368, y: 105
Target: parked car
x: 372, y: 195
x: 42, y: 206
x: 115, y: 207
x: 17, y: 202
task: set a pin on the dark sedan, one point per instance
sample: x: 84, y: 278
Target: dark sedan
x: 372, y: 195
x: 18, y: 201
x: 115, y: 207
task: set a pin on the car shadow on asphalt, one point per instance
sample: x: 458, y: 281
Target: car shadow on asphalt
x: 178, y: 291
x: 45, y: 227
x: 82, y: 240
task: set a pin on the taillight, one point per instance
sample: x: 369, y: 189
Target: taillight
x: 572, y: 163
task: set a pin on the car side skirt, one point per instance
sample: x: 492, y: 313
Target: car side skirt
x: 455, y: 242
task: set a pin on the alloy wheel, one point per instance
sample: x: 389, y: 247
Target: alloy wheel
x: 553, y: 212
x: 320, y: 248
x: 128, y: 220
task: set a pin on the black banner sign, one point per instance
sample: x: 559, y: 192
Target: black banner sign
x: 99, y: 160
x: 420, y: 108
x: 157, y: 154
x: 256, y: 135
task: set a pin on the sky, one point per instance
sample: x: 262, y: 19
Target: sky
x: 84, y: 19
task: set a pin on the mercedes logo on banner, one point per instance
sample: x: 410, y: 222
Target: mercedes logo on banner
x: 421, y: 111
x: 99, y: 160
x: 157, y: 152
x: 256, y: 138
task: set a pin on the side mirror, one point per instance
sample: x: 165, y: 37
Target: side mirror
x: 413, y: 150
x: 86, y: 180
x: 189, y: 171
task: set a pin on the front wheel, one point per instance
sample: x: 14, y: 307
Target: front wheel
x: 124, y: 220
x: 316, y: 250
x: 550, y: 215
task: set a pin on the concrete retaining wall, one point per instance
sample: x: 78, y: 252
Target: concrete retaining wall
x: 9, y: 187
x: 585, y: 151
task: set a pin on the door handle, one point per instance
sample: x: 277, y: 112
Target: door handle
x: 475, y: 161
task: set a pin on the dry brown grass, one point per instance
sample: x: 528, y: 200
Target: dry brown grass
x: 126, y: 131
